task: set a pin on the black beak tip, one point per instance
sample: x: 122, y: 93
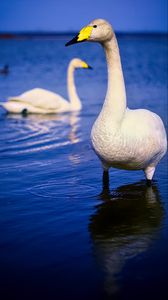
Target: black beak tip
x: 67, y: 44
x: 71, y: 42
x: 90, y: 68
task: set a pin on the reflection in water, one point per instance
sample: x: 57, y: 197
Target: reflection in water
x: 74, y: 124
x: 35, y: 133
x: 123, y: 226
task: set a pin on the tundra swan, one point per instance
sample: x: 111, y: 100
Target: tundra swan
x: 43, y: 101
x: 121, y: 137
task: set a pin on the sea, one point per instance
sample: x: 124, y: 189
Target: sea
x: 62, y: 236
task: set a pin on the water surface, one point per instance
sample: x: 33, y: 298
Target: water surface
x: 60, y: 236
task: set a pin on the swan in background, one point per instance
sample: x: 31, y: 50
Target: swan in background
x: 121, y: 137
x: 41, y: 101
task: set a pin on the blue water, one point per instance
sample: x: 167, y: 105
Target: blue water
x: 60, y: 237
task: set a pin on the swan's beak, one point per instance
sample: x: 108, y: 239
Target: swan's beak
x: 86, y: 66
x: 82, y: 36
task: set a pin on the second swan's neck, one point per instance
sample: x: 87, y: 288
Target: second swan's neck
x: 72, y: 93
x: 115, y: 102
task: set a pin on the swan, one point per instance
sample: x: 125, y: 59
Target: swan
x: 43, y: 101
x: 121, y: 137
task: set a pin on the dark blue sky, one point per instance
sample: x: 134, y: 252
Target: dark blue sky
x: 67, y: 15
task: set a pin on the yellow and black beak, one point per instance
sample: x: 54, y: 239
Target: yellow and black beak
x: 82, y: 36
x: 86, y: 66
x: 73, y: 41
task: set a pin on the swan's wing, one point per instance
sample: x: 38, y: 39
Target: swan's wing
x: 41, y: 98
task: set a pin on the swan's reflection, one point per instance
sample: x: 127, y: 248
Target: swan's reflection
x: 34, y: 133
x: 123, y: 226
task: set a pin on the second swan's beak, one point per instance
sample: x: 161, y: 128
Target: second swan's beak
x: 86, y: 66
x: 82, y: 36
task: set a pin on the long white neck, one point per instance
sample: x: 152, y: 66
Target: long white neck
x: 115, y: 102
x: 73, y: 96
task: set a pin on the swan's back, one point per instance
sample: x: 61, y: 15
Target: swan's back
x: 41, y: 98
x: 145, y: 129
x: 141, y: 123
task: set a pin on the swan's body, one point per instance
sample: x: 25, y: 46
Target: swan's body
x: 37, y: 100
x: 43, y: 101
x: 121, y: 137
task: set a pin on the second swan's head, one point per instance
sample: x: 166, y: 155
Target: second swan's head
x: 78, y: 63
x: 98, y: 30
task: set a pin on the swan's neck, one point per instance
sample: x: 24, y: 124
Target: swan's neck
x: 115, y: 101
x: 72, y: 93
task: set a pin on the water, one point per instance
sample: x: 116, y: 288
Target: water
x: 60, y: 237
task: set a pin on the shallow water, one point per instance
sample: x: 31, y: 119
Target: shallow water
x: 60, y: 236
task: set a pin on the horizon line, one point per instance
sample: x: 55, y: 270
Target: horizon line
x: 60, y: 34
x: 45, y: 32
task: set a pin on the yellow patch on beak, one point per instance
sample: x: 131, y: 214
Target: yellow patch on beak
x: 85, y: 65
x: 85, y: 33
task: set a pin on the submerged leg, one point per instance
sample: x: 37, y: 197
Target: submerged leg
x: 149, y: 182
x: 105, y: 181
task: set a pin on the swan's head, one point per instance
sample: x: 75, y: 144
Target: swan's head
x: 78, y: 63
x: 98, y: 30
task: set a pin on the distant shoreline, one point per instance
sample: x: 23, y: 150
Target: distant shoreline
x: 57, y: 35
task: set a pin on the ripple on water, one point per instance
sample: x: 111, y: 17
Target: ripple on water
x: 53, y: 188
x: 37, y: 133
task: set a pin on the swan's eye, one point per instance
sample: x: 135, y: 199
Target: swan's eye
x: 95, y: 26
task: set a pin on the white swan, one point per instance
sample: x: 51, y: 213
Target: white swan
x: 121, y: 137
x: 43, y: 101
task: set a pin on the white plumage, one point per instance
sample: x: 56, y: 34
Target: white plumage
x: 42, y: 101
x: 121, y: 137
